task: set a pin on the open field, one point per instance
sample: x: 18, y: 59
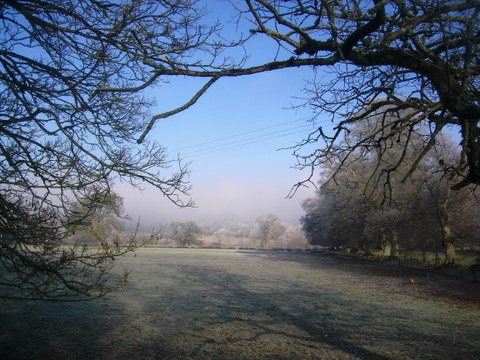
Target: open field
x: 229, y: 304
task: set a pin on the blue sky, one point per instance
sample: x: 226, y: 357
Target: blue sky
x: 232, y: 137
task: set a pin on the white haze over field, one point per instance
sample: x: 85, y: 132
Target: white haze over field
x: 222, y: 200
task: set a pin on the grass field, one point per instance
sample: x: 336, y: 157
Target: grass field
x: 229, y: 304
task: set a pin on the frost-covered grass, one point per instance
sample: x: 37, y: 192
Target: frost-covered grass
x: 229, y: 304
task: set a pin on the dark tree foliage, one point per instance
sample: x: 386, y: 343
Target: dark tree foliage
x: 313, y: 222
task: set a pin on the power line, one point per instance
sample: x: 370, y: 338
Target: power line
x: 200, y: 153
x: 245, y: 142
x: 204, y: 149
x: 250, y: 140
x: 221, y: 139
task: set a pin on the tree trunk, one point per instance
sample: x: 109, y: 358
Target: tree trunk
x: 447, y: 238
x: 448, y: 245
x: 437, y: 257
x: 386, y: 248
x: 366, y: 249
x: 449, y: 254
x: 394, y: 247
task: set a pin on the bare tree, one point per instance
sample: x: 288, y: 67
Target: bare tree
x: 294, y: 238
x: 96, y: 220
x: 72, y: 121
x: 269, y: 229
x: 184, y: 233
x: 449, y: 209
x: 34, y: 264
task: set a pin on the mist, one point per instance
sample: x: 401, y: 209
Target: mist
x: 220, y: 200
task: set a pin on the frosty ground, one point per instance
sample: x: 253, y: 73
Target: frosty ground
x: 234, y: 304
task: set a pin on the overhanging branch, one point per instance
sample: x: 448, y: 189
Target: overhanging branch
x: 164, y: 115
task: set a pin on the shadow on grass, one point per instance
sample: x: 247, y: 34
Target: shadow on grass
x: 429, y: 283
x: 230, y: 306
x: 265, y: 314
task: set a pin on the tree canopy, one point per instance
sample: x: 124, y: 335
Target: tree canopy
x: 77, y: 90
x: 420, y: 55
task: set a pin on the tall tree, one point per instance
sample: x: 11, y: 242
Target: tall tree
x: 351, y: 210
x: 313, y: 223
x: 72, y: 112
x: 446, y: 207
